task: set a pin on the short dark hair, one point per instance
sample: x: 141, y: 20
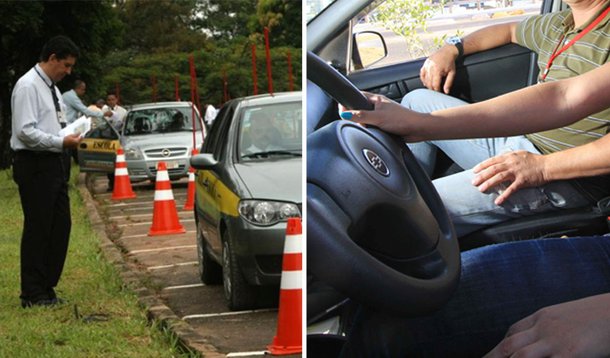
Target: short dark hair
x: 78, y: 83
x: 61, y: 46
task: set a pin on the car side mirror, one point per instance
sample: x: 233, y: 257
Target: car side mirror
x: 369, y: 47
x: 203, y: 161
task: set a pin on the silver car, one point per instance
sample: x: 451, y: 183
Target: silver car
x: 163, y: 131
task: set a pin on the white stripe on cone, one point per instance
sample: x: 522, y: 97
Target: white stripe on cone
x: 291, y: 280
x: 120, y: 171
x: 292, y: 245
x: 120, y: 158
x: 163, y: 195
x: 162, y: 175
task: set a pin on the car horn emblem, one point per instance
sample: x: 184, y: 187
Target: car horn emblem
x: 166, y: 152
x: 376, y: 162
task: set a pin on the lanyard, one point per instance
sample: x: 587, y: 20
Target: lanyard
x: 55, y: 99
x: 576, y: 38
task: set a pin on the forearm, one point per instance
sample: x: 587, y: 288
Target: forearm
x: 584, y: 161
x: 489, y: 37
x: 533, y: 109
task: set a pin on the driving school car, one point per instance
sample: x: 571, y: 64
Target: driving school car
x: 151, y: 133
x: 244, y: 195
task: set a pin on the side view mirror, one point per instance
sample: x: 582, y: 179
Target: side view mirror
x: 203, y: 161
x: 369, y: 47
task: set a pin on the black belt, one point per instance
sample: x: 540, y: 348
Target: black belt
x: 37, y: 153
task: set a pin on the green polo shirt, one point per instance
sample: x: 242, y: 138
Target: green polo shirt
x: 542, y: 34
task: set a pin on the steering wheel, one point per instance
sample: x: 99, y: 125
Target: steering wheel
x: 377, y: 231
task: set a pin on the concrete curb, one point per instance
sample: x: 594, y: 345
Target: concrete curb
x: 132, y: 277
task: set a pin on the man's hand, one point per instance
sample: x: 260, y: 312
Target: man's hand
x: 520, y: 168
x: 72, y: 140
x: 438, y: 67
x: 573, y: 329
x: 108, y: 114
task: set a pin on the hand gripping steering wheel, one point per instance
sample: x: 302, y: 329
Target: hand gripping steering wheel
x: 377, y: 230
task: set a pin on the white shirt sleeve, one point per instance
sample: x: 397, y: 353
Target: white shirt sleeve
x: 35, y: 135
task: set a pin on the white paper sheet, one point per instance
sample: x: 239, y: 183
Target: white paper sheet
x: 82, y: 125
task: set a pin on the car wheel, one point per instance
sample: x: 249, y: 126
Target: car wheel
x: 239, y: 294
x: 210, y: 271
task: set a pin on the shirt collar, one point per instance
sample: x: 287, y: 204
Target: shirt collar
x: 47, y: 80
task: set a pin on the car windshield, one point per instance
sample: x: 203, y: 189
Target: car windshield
x: 160, y: 120
x: 271, y: 131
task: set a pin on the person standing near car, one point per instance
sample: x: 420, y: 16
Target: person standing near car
x: 118, y: 113
x: 39, y: 171
x: 76, y: 108
x: 116, y: 120
x: 568, y: 43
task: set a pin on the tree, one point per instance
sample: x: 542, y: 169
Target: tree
x: 405, y: 18
x: 283, y: 18
x: 225, y: 20
x: 26, y: 26
x: 155, y: 26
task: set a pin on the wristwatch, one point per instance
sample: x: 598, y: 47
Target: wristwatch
x: 457, y: 42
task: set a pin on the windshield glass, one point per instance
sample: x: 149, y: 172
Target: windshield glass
x: 270, y: 131
x: 314, y: 7
x: 160, y: 120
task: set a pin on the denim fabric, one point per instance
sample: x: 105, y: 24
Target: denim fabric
x: 468, y: 208
x: 499, y: 285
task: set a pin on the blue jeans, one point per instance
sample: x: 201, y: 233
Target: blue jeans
x: 468, y: 208
x: 499, y: 285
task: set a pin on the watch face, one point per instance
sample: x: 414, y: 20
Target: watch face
x: 453, y: 40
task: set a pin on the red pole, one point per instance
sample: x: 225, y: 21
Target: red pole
x: 177, y: 90
x: 254, y: 75
x: 117, y: 92
x: 269, y: 80
x: 290, y: 84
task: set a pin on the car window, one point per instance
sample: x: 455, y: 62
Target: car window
x: 217, y: 136
x: 270, y: 128
x: 401, y: 30
x: 102, y: 130
x: 160, y: 120
x: 314, y: 7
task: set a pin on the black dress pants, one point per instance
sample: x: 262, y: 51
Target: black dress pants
x: 46, y: 229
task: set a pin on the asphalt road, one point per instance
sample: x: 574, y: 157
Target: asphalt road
x: 167, y: 266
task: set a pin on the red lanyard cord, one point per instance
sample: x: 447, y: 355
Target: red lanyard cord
x: 576, y: 38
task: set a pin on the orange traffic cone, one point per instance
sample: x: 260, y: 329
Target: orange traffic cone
x: 122, y: 186
x: 189, y: 204
x: 165, y: 217
x: 288, y: 338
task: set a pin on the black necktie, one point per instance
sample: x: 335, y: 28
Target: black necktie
x: 56, y: 102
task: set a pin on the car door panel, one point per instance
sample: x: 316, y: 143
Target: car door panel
x: 481, y: 76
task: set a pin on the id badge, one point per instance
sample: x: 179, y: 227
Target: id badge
x: 61, y: 117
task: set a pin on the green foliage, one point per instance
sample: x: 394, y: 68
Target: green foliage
x: 283, y: 18
x: 133, y: 72
x: 160, y: 26
x: 128, y: 42
x: 406, y: 18
x: 225, y: 20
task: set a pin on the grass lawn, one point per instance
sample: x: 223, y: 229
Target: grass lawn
x: 88, y: 282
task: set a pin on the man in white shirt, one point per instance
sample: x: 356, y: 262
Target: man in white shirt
x: 118, y: 113
x: 39, y: 169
